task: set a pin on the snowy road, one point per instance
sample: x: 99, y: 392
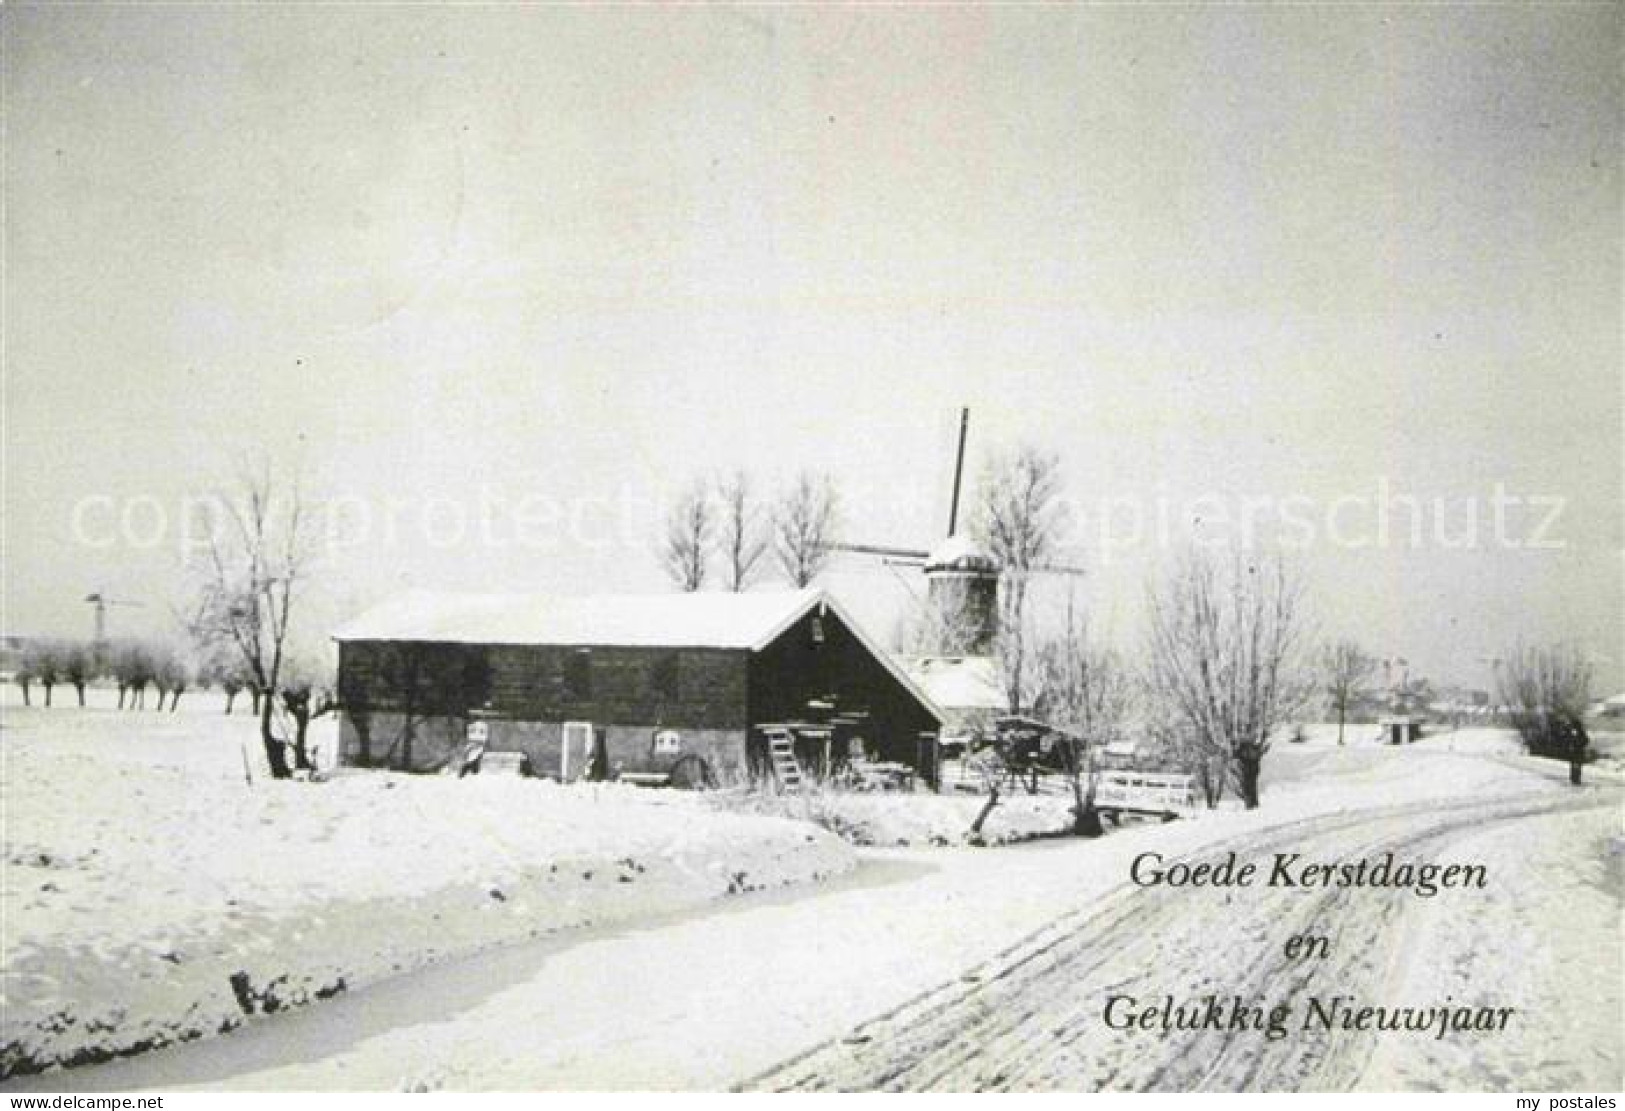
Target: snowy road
x: 708, y: 998
x: 1032, y: 1019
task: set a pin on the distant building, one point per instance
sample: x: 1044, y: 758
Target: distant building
x: 649, y: 679
x: 1401, y: 729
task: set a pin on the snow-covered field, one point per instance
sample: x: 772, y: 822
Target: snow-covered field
x: 143, y: 874
x: 712, y: 996
x: 152, y: 894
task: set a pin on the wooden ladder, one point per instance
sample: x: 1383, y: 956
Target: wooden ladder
x: 781, y: 750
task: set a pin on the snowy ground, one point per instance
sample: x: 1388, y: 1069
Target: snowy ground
x: 1546, y: 947
x: 151, y: 894
x: 1544, y: 938
x: 716, y: 995
x: 901, y: 821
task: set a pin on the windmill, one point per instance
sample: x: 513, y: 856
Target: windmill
x: 961, y: 575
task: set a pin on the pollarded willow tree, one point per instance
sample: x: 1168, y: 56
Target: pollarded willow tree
x: 259, y: 565
x: 1226, y: 642
x: 1547, y: 691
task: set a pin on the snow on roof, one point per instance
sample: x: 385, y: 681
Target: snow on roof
x: 960, y: 553
x: 697, y: 620
x: 1617, y: 700
x: 960, y: 682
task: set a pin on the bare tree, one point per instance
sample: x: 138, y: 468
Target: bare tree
x: 1020, y: 671
x: 24, y: 676
x: 942, y: 625
x: 1346, y: 673
x: 221, y: 666
x: 1019, y: 519
x: 804, y: 525
x: 172, y: 674
x: 1547, y: 691
x: 1088, y: 692
x: 135, y: 666
x: 1224, y: 654
x: 309, y: 691
x: 257, y: 570
x: 78, y: 666
x: 688, y: 538
x: 1173, y: 740
x: 42, y: 660
x: 741, y: 539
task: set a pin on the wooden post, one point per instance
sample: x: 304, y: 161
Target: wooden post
x: 929, y: 761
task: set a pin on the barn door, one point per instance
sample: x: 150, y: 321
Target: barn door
x: 575, y: 750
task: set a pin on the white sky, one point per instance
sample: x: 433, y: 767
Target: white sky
x: 446, y: 254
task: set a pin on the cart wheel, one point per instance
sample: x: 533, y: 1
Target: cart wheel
x: 692, y: 773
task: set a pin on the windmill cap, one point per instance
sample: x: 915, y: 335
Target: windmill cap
x: 961, y: 553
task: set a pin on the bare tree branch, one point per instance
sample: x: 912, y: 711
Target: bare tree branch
x: 1224, y: 654
x: 1019, y: 519
x: 255, y: 575
x: 688, y: 538
x: 741, y: 539
x: 1346, y: 673
x: 804, y: 525
x: 1547, y: 691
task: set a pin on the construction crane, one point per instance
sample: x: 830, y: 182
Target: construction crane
x: 101, y: 601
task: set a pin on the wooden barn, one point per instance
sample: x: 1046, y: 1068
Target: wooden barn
x: 644, y: 681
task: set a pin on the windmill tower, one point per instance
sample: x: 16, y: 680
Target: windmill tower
x: 961, y: 575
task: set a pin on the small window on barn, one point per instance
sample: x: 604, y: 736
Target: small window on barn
x: 818, y: 630
x: 578, y: 676
x: 663, y: 676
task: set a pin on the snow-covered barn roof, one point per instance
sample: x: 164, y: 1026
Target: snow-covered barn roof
x: 960, y: 682
x: 698, y: 620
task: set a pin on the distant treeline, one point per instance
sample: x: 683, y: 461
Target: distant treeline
x: 166, y: 669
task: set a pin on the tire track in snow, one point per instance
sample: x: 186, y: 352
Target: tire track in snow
x: 1030, y: 1019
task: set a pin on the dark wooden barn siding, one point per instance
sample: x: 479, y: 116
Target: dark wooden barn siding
x: 678, y: 688
x: 427, y: 690
x: 681, y: 688
x: 798, y: 667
